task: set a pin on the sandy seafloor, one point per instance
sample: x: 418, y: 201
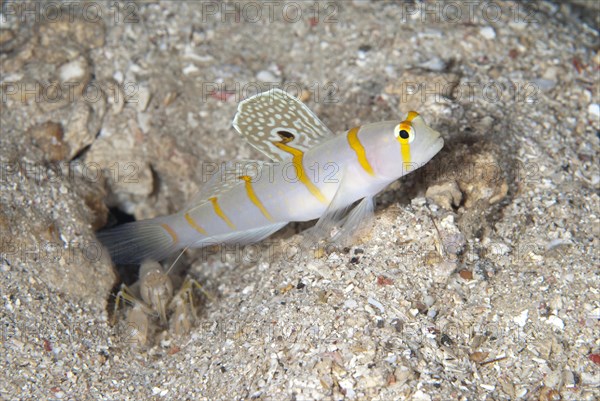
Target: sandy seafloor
x: 478, y: 280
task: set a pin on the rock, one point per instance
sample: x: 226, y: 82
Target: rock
x: 482, y: 180
x: 23, y: 53
x: 117, y: 152
x: 48, y: 219
x: 403, y: 374
x: 6, y: 39
x: 416, y: 88
x: 49, y: 138
x: 87, y: 33
x: 94, y: 200
x: 445, y: 195
x: 443, y: 270
x: 78, y: 134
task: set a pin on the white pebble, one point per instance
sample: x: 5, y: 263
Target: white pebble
x: 421, y: 201
x: 487, y: 32
x: 518, y: 24
x: 521, y: 393
x: 118, y: 76
x: 594, y: 110
x: 434, y: 64
x: 191, y: 121
x: 421, y: 396
x: 447, y: 222
x: 556, y: 322
x: 190, y: 69
x: 266, y: 76
x: 590, y: 379
x: 350, y: 304
x: 499, y: 248
x: 73, y: 71
x: 553, y: 378
x: 347, y: 385
x: 376, y: 304
x: 595, y: 314
x: 556, y: 243
x: 142, y: 98
x: 144, y: 121
x: 521, y: 320
x: 569, y: 379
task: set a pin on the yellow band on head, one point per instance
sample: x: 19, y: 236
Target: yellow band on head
x: 405, y: 150
x: 404, y: 145
x: 407, y: 124
x: 412, y: 115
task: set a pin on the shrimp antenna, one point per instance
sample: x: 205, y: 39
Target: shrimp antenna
x: 439, y: 243
x: 177, y: 259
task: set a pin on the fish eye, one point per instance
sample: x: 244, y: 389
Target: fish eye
x: 404, y: 133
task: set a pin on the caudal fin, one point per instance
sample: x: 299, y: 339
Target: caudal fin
x: 135, y: 242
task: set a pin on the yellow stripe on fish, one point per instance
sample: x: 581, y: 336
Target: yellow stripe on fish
x: 194, y: 225
x: 220, y: 213
x: 405, y: 136
x: 253, y: 198
x: 359, y: 149
x: 171, y: 232
x: 297, y: 157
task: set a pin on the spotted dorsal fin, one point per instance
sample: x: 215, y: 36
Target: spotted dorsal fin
x: 275, y: 117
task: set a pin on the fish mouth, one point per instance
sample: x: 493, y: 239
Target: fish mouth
x: 437, y: 144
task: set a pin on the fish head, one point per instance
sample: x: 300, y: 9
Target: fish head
x: 400, y: 147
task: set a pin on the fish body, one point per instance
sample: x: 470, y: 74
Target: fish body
x: 312, y: 174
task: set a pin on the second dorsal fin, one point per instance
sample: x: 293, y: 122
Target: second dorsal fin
x: 227, y: 176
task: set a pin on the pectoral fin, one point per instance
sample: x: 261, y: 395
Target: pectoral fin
x: 341, y: 222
